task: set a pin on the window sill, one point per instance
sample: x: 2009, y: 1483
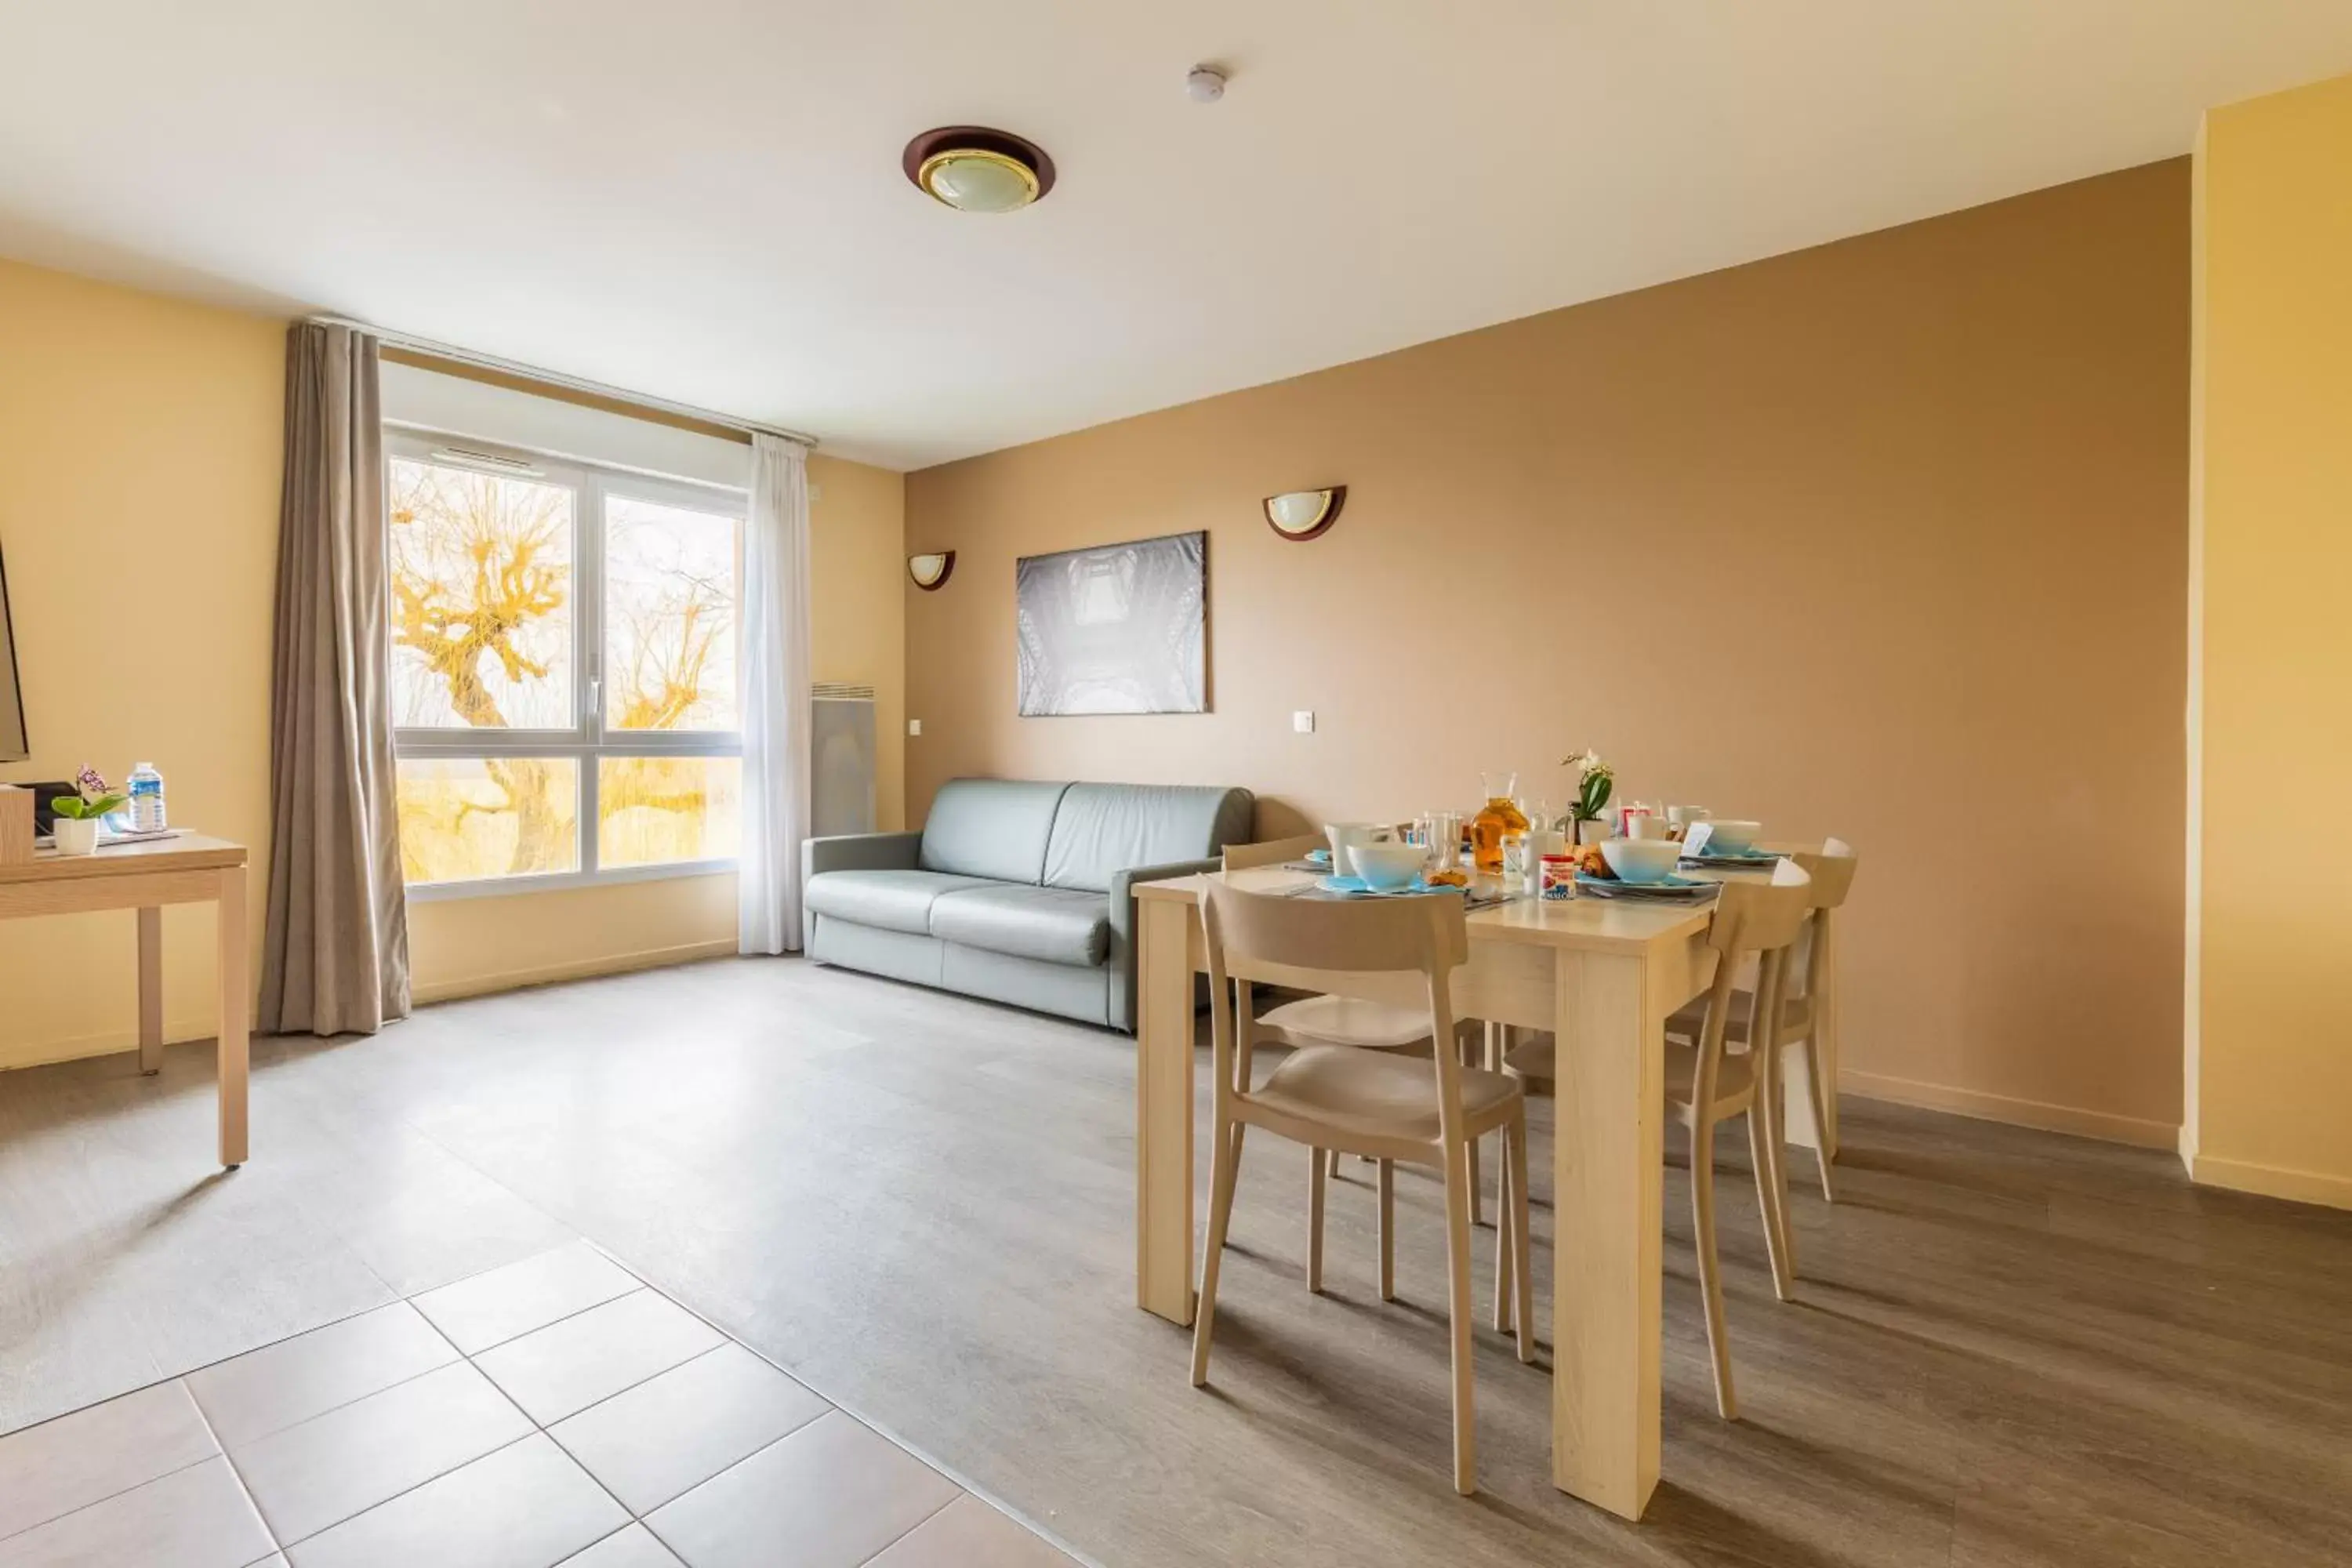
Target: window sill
x: 563, y: 881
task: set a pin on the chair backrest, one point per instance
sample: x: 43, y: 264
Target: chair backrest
x: 1833, y: 871
x: 1344, y: 936
x: 1831, y: 868
x: 1759, y: 921
x: 1273, y: 852
x: 1332, y: 940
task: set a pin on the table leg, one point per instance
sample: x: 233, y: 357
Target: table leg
x: 150, y: 991
x: 1607, y: 1159
x: 235, y: 1009
x: 1163, y: 1108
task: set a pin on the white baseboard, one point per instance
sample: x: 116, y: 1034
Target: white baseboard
x: 582, y: 969
x: 2037, y: 1114
x: 2271, y: 1180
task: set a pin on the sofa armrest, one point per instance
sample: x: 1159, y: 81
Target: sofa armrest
x: 860, y: 852
x: 1122, y: 888
x: 1122, y: 930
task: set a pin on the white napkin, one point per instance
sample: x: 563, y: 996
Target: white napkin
x: 1695, y: 837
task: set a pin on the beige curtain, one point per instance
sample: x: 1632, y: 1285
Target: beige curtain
x: 335, y: 953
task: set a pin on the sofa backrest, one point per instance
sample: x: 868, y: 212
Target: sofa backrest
x: 996, y: 828
x: 1101, y: 829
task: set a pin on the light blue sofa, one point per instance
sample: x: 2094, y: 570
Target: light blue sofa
x: 1016, y: 890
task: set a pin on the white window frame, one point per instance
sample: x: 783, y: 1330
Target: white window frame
x: 588, y: 741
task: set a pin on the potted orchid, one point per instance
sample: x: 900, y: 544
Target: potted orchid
x: 1594, y: 781
x: 78, y: 816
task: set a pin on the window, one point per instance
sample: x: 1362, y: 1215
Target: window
x: 565, y: 659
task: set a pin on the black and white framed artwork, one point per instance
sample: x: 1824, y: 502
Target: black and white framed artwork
x: 1118, y: 628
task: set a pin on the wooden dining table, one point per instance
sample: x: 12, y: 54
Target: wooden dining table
x: 1602, y: 974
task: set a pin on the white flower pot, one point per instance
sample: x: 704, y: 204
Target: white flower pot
x: 76, y: 835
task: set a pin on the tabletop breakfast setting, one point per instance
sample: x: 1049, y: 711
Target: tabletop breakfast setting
x: 1513, y: 847
x: 1634, y: 964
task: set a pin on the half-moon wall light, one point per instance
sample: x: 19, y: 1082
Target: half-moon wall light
x: 928, y: 572
x: 1304, y: 515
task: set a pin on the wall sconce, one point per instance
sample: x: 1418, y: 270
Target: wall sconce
x: 929, y: 573
x: 1301, y: 515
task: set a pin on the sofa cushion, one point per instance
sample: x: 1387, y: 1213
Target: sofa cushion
x: 995, y: 828
x: 1054, y: 924
x: 893, y: 901
x: 1103, y: 829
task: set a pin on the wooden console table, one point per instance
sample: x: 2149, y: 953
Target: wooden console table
x: 145, y: 877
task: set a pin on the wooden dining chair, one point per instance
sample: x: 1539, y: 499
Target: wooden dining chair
x: 1706, y: 1085
x: 1392, y: 1108
x: 1809, y: 1013
x: 1347, y: 1021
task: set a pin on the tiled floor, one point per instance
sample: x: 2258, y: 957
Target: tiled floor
x: 556, y: 1410
x: 2009, y: 1349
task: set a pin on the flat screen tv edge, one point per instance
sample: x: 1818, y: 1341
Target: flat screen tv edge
x: 13, y: 745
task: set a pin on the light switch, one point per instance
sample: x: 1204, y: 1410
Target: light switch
x: 914, y: 726
x: 1302, y: 722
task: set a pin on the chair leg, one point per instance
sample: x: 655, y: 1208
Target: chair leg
x: 1710, y: 1271
x: 1762, y: 1138
x: 1772, y: 1176
x: 1477, y: 1191
x: 1457, y: 1317
x: 1331, y: 1165
x: 1523, y: 1277
x: 1387, y: 1183
x: 1489, y: 1037
x: 1505, y: 1238
x: 1816, y: 1072
x: 1317, y: 1170
x: 1226, y: 1156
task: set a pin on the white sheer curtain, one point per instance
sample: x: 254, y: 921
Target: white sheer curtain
x: 775, y: 698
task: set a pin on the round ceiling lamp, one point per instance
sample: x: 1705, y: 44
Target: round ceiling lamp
x: 975, y: 170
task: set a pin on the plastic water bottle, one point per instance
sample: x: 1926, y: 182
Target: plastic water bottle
x: 146, y: 799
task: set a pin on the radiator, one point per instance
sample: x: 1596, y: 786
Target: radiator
x: 841, y: 759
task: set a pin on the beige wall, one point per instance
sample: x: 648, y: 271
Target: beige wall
x: 140, y: 446
x: 1883, y: 539
x: 2271, y: 1068
x: 139, y: 449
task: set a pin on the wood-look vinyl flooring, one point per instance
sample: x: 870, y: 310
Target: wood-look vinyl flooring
x: 2011, y: 1348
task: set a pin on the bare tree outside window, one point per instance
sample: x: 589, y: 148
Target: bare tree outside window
x: 485, y: 586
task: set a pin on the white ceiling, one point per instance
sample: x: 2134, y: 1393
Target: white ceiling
x: 700, y: 199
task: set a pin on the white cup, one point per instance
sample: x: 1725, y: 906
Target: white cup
x: 1684, y: 816
x: 1649, y: 826
x: 1345, y: 836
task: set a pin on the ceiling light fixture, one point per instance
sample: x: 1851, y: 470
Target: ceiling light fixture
x: 975, y: 170
x: 1205, y: 84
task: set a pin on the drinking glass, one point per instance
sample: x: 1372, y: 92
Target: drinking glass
x: 1440, y: 834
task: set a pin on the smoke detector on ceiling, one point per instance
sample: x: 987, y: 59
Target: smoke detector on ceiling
x: 1206, y: 84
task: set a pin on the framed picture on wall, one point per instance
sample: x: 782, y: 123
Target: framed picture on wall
x: 1118, y: 628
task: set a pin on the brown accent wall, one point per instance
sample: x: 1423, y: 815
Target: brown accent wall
x: 1886, y: 540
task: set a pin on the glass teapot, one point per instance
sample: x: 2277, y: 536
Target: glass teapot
x: 1500, y: 816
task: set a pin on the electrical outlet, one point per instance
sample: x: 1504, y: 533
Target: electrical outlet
x: 914, y: 726
x: 1302, y: 722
